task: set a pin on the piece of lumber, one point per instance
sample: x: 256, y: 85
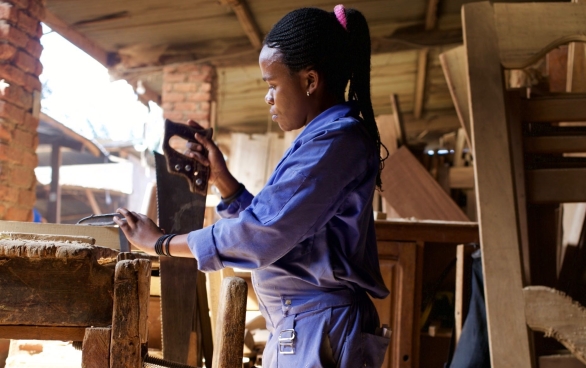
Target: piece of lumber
x: 461, y: 177
x: 42, y: 333
x: 54, y: 205
x: 454, y: 65
x: 462, y: 294
x: 555, y: 108
x: 555, y: 144
x: 560, y: 361
x: 229, y: 341
x: 411, y: 190
x: 129, y: 320
x: 461, y: 141
x: 95, y: 351
x: 214, y: 287
x: 41, y: 279
x: 203, y: 312
x: 420, y: 82
x: 105, y: 236
x: 495, y: 191
x: 526, y: 32
x: 551, y: 311
x: 76, y: 38
x: 93, y: 203
x: 556, y: 185
x: 427, y: 231
x: 399, y: 120
x: 247, y: 21
x: 431, y: 15
x: 576, y: 78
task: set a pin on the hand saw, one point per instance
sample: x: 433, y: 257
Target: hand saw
x: 181, y: 193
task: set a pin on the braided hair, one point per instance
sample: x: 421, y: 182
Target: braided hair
x: 311, y: 37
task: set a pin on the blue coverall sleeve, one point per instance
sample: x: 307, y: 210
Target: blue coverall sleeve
x: 301, y: 197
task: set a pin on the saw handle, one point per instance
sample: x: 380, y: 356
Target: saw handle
x: 197, y: 175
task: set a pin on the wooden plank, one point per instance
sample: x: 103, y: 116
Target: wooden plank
x: 526, y: 32
x: 54, y: 205
x: 41, y: 279
x: 229, y: 341
x: 42, y: 333
x: 576, y: 80
x: 555, y: 144
x: 247, y: 21
x: 462, y: 294
x: 95, y: 351
x: 129, y: 320
x: 431, y: 15
x: 427, y: 231
x: 556, y: 185
x: 420, y: 82
x: 560, y: 361
x: 93, y: 203
x: 203, y: 312
x: 76, y: 38
x: 556, y: 108
x: 551, y: 311
x: 105, y: 236
x: 461, y: 177
x: 495, y: 191
x: 412, y: 192
x: 398, y: 117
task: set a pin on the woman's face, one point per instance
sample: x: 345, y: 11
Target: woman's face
x: 287, y: 94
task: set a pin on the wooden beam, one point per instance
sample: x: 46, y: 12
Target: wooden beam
x: 556, y: 185
x: 42, y: 333
x: 427, y: 231
x: 431, y: 15
x: 576, y: 79
x: 89, y: 145
x: 556, y: 108
x: 495, y: 193
x: 461, y: 177
x: 555, y: 144
x: 96, y: 347
x: 54, y: 206
x: 247, y: 21
x: 78, y: 39
x: 414, y: 38
x: 398, y: 117
x: 93, y: 203
x: 420, y: 83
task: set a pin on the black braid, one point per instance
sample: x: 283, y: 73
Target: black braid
x: 311, y: 37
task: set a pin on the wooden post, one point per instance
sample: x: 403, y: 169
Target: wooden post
x: 54, y: 206
x: 95, y: 352
x: 229, y: 341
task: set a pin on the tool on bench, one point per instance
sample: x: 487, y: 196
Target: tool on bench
x: 106, y: 219
x: 181, y: 194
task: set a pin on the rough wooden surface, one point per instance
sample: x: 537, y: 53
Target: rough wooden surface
x: 42, y: 333
x: 427, y: 231
x: 551, y: 311
x: 499, y: 236
x: 413, y: 192
x: 131, y: 292
x: 41, y: 280
x: 96, y: 347
x: 229, y: 343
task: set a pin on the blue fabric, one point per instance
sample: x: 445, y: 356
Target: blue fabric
x: 309, y: 233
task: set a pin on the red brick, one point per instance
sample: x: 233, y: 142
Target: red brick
x: 34, y: 47
x: 173, y: 78
x: 199, y: 96
x: 168, y: 106
x: 173, y: 115
x: 173, y: 97
x: 22, y: 177
x: 18, y: 214
x: 198, y: 116
x: 30, y: 159
x: 9, y: 154
x: 205, y: 87
x: 5, y: 133
x: 13, y: 35
x: 18, y: 96
x: 185, y: 106
x: 35, y: 144
x: 198, y: 78
x: 188, y: 68
x: 30, y: 123
x: 12, y: 75
x: 11, y: 112
x: 23, y: 138
x: 8, y: 12
x: 204, y: 106
x: 2, y: 211
x: 32, y: 83
x: 27, y: 23
x: 25, y: 62
x: 7, y: 51
x: 22, y: 4
x: 184, y: 87
x: 8, y: 194
x: 36, y: 9
x: 27, y: 198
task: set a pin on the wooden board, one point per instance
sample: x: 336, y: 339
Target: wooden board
x: 412, y: 191
x: 461, y: 177
x: 41, y: 280
x: 526, y: 32
x: 555, y: 144
x: 42, y: 333
x: 560, y: 361
x: 454, y: 66
x: 556, y: 314
x: 129, y: 320
x: 96, y: 347
x: 105, y: 236
x: 556, y: 185
x: 557, y: 108
x: 229, y: 338
x: 495, y: 191
x: 427, y: 231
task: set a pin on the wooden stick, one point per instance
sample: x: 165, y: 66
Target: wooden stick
x: 95, y: 352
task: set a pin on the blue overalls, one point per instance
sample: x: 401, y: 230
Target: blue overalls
x: 308, y: 237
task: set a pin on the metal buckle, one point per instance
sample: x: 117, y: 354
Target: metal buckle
x: 286, y: 341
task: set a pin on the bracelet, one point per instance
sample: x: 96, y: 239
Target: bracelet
x: 159, y: 244
x: 168, y: 242
x: 236, y: 194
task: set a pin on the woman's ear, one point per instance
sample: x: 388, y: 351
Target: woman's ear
x: 312, y: 80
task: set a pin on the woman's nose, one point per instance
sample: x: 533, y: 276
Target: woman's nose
x: 269, y: 99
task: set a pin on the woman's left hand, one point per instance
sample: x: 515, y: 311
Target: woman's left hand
x: 139, y: 230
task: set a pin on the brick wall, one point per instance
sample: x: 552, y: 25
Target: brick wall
x: 20, y: 48
x: 187, y: 93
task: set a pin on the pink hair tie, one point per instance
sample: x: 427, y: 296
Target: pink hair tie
x: 341, y: 15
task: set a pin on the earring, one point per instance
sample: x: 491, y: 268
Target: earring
x: 308, y: 93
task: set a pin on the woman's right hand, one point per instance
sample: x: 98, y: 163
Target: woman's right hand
x: 220, y: 176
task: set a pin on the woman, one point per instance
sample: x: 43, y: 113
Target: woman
x: 309, y: 234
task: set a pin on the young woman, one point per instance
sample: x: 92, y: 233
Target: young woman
x: 308, y: 236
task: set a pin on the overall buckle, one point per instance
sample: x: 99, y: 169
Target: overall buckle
x: 286, y: 341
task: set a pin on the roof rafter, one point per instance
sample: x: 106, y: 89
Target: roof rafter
x: 247, y: 21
